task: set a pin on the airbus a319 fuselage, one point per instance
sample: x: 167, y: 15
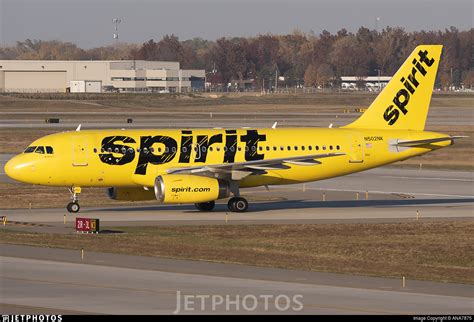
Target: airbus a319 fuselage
x: 203, y: 165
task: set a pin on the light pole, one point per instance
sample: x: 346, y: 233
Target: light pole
x: 116, y: 22
x: 378, y: 75
x: 377, y: 19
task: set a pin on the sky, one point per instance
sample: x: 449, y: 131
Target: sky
x: 88, y: 23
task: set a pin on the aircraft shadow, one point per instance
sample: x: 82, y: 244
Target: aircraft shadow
x: 300, y: 204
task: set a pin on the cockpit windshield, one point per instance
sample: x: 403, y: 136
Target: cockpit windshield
x: 39, y: 149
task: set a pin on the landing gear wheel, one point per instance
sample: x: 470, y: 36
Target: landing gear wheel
x: 238, y: 204
x: 205, y: 206
x: 73, y: 207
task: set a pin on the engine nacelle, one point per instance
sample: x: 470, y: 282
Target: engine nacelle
x: 185, y: 188
x: 130, y: 194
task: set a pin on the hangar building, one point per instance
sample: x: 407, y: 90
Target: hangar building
x: 49, y: 76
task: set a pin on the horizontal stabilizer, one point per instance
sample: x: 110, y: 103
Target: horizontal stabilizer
x: 427, y: 141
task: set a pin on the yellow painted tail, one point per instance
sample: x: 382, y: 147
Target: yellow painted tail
x: 403, y: 104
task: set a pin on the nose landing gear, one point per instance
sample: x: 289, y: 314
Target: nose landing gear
x: 73, y: 206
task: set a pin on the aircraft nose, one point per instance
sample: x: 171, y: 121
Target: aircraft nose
x: 13, y: 169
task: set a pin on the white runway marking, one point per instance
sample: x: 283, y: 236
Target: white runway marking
x: 424, y: 178
x: 397, y: 192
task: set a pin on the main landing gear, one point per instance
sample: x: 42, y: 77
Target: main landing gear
x: 205, y: 206
x: 73, y: 206
x: 235, y: 204
x: 238, y: 204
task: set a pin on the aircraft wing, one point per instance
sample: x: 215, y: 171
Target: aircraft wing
x: 239, y: 170
x: 427, y: 141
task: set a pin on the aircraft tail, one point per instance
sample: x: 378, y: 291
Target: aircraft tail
x: 403, y: 104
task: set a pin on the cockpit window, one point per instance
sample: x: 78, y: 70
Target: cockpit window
x: 40, y: 150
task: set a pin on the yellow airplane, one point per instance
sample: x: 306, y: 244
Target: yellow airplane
x: 201, y: 166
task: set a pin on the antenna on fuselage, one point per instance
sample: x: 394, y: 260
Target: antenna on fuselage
x: 274, y: 126
x: 330, y: 126
x: 78, y: 128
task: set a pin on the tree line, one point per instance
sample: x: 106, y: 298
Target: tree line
x: 300, y: 58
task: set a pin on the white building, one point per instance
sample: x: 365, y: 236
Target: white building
x: 372, y: 83
x: 98, y: 76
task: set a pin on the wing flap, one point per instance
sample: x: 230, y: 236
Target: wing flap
x: 257, y: 165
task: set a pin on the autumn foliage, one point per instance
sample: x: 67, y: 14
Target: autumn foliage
x: 301, y: 58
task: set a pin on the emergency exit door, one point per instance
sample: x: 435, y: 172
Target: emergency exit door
x: 357, y: 149
x: 79, y: 151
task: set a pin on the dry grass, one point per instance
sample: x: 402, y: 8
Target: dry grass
x: 19, y: 196
x: 137, y: 102
x: 441, y: 251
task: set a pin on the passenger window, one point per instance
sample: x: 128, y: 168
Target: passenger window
x: 29, y: 149
x: 296, y: 148
x: 289, y: 148
x: 310, y: 147
x: 317, y: 147
x: 49, y: 150
x: 268, y: 148
x: 338, y: 147
x: 274, y: 148
x: 302, y: 147
x: 330, y: 147
x: 40, y: 150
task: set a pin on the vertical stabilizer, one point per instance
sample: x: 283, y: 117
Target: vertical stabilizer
x: 404, y: 102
